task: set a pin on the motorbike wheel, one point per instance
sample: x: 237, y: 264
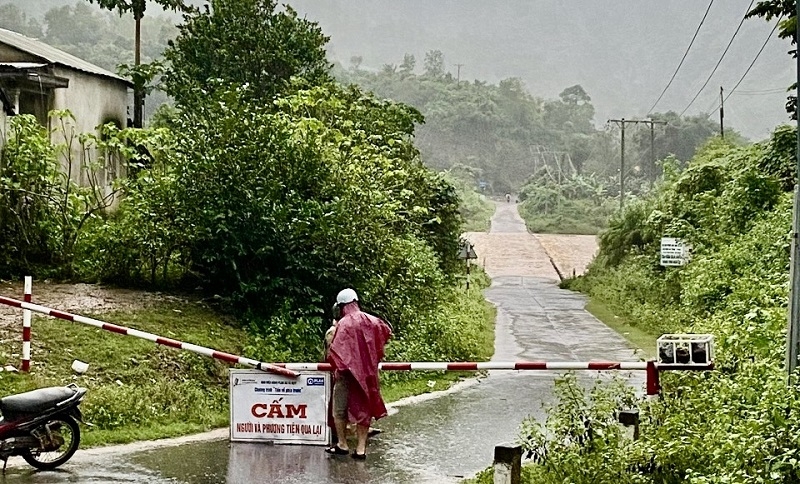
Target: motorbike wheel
x: 69, y: 431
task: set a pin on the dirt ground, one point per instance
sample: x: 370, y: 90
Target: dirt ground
x: 73, y: 298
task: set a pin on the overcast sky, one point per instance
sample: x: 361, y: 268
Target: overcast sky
x: 622, y: 52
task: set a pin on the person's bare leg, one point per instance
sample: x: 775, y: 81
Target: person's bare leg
x: 341, y: 431
x: 361, y: 432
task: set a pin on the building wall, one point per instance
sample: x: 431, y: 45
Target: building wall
x: 94, y: 101
x: 11, y: 54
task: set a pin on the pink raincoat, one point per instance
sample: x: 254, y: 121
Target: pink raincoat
x: 357, y: 348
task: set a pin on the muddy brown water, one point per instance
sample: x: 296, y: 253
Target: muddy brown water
x: 439, y: 440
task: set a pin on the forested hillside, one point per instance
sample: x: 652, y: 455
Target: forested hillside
x: 500, y: 134
x: 623, y: 53
x: 267, y: 189
x: 505, y: 134
x: 740, y: 422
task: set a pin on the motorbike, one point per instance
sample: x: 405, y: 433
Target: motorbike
x: 41, y: 426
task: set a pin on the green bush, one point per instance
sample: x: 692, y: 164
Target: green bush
x: 109, y: 407
x: 573, y: 205
x: 740, y: 422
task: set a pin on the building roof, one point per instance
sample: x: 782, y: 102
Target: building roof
x: 53, y: 55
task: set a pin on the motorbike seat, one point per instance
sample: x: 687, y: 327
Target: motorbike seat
x: 35, y: 401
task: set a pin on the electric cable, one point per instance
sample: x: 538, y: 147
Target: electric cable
x: 682, y: 59
x: 744, y: 17
x: 758, y: 54
x: 761, y: 91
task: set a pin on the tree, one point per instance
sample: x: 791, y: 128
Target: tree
x: 434, y: 64
x: 787, y: 10
x: 12, y: 18
x: 137, y: 8
x: 408, y: 64
x: 680, y: 137
x: 249, y: 43
x: 573, y: 111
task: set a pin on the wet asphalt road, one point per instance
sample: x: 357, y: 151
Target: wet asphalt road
x: 434, y: 441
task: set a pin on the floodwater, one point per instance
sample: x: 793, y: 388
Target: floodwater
x: 439, y: 440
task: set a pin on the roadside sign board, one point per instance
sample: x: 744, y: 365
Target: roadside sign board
x: 674, y: 252
x: 273, y: 408
x: 467, y: 251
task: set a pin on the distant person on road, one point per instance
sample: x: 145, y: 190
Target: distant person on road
x: 508, y: 197
x: 355, y: 351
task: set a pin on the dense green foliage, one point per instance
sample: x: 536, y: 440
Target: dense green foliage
x: 273, y: 188
x: 43, y: 212
x: 506, y: 135
x: 578, y: 204
x: 740, y: 422
x: 249, y: 43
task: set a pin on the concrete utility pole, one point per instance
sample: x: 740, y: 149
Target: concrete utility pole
x: 458, y: 73
x: 621, y: 123
x: 793, y: 335
x: 721, y: 113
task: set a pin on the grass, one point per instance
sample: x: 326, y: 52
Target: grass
x: 571, y: 217
x: 428, y: 383
x: 137, y: 389
x: 142, y: 391
x: 638, y: 338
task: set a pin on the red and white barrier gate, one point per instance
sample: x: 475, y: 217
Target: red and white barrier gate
x: 26, y: 327
x: 651, y: 367
x: 148, y: 336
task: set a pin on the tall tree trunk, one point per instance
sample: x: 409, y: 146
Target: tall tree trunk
x: 138, y: 90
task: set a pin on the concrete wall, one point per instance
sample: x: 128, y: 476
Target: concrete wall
x: 94, y: 101
x: 11, y: 54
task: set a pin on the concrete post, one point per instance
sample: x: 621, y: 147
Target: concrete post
x: 507, y: 464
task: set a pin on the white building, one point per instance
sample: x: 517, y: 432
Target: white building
x: 36, y: 78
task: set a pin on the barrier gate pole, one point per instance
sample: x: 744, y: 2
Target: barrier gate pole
x: 26, y: 327
x: 219, y: 355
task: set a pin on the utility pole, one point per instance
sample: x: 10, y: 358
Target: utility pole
x: 458, y: 73
x: 621, y: 123
x: 793, y: 335
x: 721, y: 113
x: 653, y: 149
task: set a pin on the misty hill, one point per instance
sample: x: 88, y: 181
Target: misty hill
x: 622, y: 52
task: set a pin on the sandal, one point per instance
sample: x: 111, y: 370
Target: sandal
x: 336, y: 450
x: 357, y: 456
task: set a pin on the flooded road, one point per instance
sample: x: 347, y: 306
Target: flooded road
x: 433, y: 441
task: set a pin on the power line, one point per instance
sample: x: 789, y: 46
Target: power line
x: 683, y: 58
x: 758, y: 54
x: 763, y: 91
x: 720, y: 59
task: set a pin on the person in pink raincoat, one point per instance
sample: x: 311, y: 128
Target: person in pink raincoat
x: 357, y: 348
